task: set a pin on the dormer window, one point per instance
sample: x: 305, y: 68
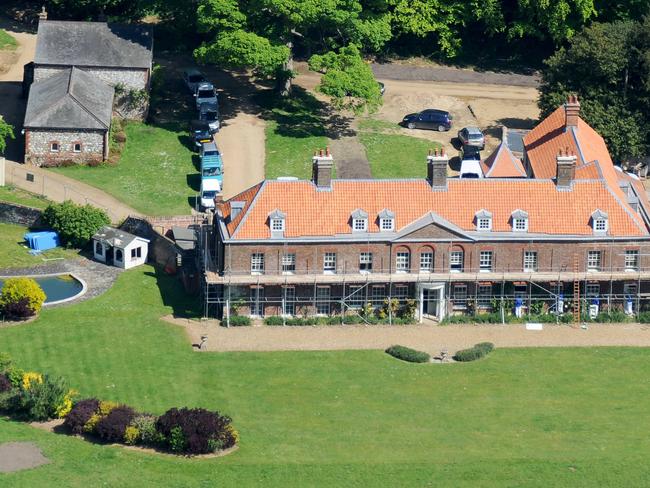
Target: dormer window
x: 599, y: 222
x: 386, y: 220
x: 483, y: 221
x: 519, y: 221
x: 277, y: 222
x: 359, y: 221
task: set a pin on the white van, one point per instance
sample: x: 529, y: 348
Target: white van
x: 210, y: 188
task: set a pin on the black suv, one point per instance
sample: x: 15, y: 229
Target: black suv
x: 428, y: 119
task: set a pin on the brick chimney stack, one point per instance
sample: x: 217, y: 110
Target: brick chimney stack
x: 572, y: 111
x: 322, y: 163
x: 437, y: 162
x: 42, y: 15
x: 566, y: 169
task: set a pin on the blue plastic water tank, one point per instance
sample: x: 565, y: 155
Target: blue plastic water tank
x: 42, y: 241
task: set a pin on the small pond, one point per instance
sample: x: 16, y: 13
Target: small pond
x: 56, y: 288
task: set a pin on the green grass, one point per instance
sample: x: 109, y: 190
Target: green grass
x: 7, y: 41
x: 370, y: 124
x: 396, y: 156
x: 295, y: 128
x: 16, y: 195
x: 155, y: 175
x: 14, y: 254
x: 522, y: 417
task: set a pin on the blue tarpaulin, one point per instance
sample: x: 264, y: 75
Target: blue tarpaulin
x: 42, y: 241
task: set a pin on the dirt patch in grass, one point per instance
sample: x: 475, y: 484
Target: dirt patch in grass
x: 17, y: 456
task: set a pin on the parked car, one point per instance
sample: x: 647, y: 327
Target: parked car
x: 211, y: 162
x: 210, y: 188
x: 209, y: 112
x: 428, y: 119
x: 200, y: 132
x: 470, y: 162
x: 472, y: 136
x: 205, y: 93
x: 193, y: 78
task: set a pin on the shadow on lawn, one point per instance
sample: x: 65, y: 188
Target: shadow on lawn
x: 173, y: 295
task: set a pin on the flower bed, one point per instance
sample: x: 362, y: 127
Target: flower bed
x: 33, y: 396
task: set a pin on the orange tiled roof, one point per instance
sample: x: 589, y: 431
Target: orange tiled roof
x: 326, y: 213
x: 247, y: 198
x: 503, y: 164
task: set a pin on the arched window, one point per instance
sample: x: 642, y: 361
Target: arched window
x: 99, y: 249
x: 403, y: 260
x: 118, y: 255
x: 456, y: 259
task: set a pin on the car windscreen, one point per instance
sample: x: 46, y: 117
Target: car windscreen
x: 206, y: 94
x: 210, y: 115
x: 475, y: 135
x: 211, y: 171
x: 195, y: 78
x: 208, y: 194
x: 211, y: 153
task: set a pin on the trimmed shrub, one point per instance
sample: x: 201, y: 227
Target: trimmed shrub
x: 473, y: 353
x: 75, y: 224
x: 238, y: 321
x: 644, y: 317
x: 146, y: 425
x: 274, y: 320
x: 352, y: 319
x: 5, y: 384
x: 80, y: 414
x: 407, y: 354
x: 21, y: 298
x: 195, y: 431
x: 131, y: 435
x: 42, y: 400
x: 112, y: 427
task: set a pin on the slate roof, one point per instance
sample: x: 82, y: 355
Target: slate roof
x: 99, y: 44
x: 72, y: 99
x: 115, y: 237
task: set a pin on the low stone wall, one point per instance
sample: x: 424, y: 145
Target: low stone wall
x: 162, y: 250
x: 163, y: 225
x: 12, y: 213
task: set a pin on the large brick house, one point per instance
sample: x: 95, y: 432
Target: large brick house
x: 83, y: 67
x: 565, y: 223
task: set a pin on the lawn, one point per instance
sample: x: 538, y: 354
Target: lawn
x: 295, y: 128
x: 7, y: 41
x: 16, y: 195
x: 13, y: 253
x: 526, y: 417
x: 155, y: 175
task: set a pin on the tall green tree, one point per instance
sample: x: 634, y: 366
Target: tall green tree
x: 262, y: 34
x: 607, y: 65
x: 6, y: 132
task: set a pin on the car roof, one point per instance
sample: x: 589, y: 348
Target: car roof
x: 474, y: 130
x: 206, y: 85
x: 210, y: 146
x: 208, y: 106
x: 210, y: 184
x: 434, y: 111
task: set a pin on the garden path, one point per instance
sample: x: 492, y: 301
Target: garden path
x: 428, y: 337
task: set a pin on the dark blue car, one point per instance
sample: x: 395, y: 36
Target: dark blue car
x: 428, y: 119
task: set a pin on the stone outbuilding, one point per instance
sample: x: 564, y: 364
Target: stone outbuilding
x: 68, y: 119
x: 118, y: 248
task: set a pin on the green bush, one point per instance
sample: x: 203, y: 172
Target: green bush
x: 19, y: 290
x: 473, y: 353
x: 42, y: 400
x: 75, y: 224
x: 238, y: 321
x: 644, y: 317
x: 407, y: 354
x: 146, y: 425
x: 274, y: 320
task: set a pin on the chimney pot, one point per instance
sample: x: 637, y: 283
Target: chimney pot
x: 322, y: 170
x: 42, y: 15
x: 566, y: 169
x: 437, y: 170
x: 572, y: 111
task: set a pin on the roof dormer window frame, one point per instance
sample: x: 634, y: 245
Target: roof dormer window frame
x: 483, y: 221
x: 386, y: 220
x: 519, y: 221
x: 277, y: 222
x: 599, y: 222
x: 359, y: 220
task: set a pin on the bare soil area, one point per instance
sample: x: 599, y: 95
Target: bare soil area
x: 17, y: 456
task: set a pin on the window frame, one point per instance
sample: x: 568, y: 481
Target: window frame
x: 322, y: 300
x: 402, y: 261
x: 355, y: 297
x: 389, y: 227
x: 527, y: 261
x: 594, y: 261
x: 598, y: 223
x: 483, y: 299
x: 277, y: 225
x: 483, y: 224
x: 257, y: 263
x: 363, y: 224
x: 58, y: 146
x: 631, y: 264
x: 377, y: 294
x: 520, y: 224
x: 288, y: 263
x: 289, y: 302
x: 452, y: 261
x: 74, y: 147
x: 459, y: 296
x: 329, y: 263
x: 365, y: 262
x: 430, y: 258
x: 485, y: 265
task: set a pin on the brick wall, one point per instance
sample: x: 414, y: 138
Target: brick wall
x: 38, y: 146
x: 162, y: 250
x: 507, y: 257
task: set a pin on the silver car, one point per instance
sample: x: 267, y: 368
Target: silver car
x: 205, y: 93
x: 472, y: 136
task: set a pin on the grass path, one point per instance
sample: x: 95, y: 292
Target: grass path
x: 16, y: 195
x: 532, y: 417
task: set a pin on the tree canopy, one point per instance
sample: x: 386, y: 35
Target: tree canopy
x: 6, y: 132
x: 608, y: 66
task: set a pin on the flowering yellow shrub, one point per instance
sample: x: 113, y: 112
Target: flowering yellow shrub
x: 131, y: 435
x: 65, y: 407
x: 234, y: 432
x: 106, y: 407
x: 31, y: 377
x: 92, y: 422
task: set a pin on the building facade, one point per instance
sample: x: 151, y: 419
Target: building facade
x: 448, y: 245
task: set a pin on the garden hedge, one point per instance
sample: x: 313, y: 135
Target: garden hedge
x: 473, y: 353
x: 407, y: 354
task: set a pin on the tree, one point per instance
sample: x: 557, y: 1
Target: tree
x: 21, y: 297
x: 75, y: 224
x: 604, y: 65
x: 347, y: 79
x: 261, y: 34
x: 6, y: 131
